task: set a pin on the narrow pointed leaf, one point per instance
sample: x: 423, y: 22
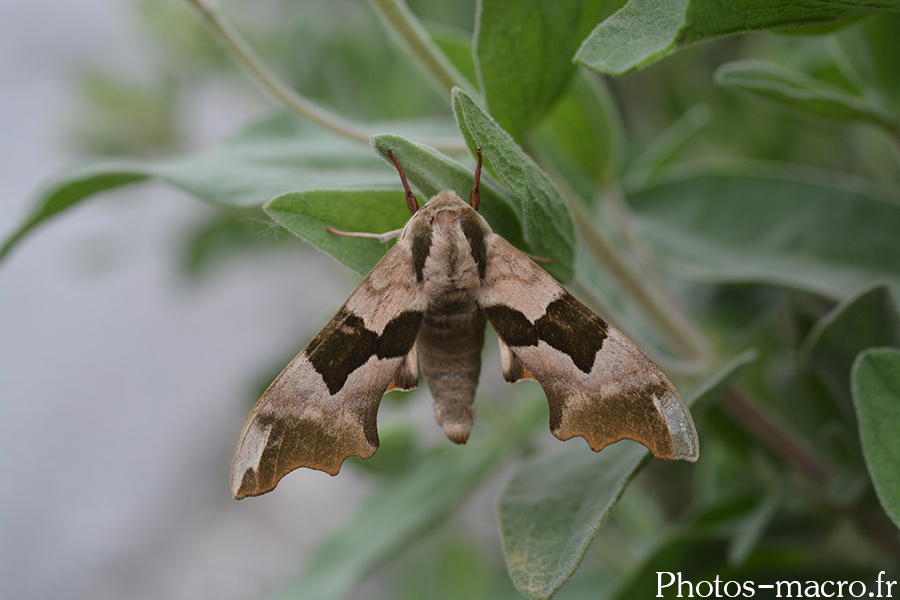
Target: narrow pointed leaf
x: 548, y: 227
x: 876, y: 393
x: 553, y: 506
x: 810, y: 230
x: 800, y: 92
x: 309, y: 214
x: 276, y: 155
x: 524, y: 51
x: 867, y: 320
x: 430, y: 172
x: 644, y: 31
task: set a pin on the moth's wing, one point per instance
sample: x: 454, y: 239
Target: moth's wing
x: 322, y: 407
x: 599, y: 384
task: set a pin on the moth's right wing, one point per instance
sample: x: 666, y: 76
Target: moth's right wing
x: 599, y: 384
x: 322, y: 408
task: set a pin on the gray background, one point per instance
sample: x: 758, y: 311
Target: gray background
x: 122, y: 386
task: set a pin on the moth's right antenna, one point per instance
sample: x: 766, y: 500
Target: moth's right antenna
x: 475, y: 196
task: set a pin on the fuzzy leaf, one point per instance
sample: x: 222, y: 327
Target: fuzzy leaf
x: 586, y: 128
x: 395, y: 516
x: 555, y: 502
x: 876, y: 392
x: 308, y: 214
x: 810, y: 230
x: 800, y: 92
x: 644, y: 31
x: 867, y: 320
x: 553, y: 506
x: 548, y: 227
x: 431, y: 172
x: 275, y: 155
x: 524, y: 51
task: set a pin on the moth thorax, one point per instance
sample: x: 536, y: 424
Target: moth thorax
x: 450, y: 276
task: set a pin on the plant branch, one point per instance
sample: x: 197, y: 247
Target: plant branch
x: 657, y: 305
x: 618, y: 210
x: 409, y: 30
x: 775, y: 436
x: 788, y: 445
x: 257, y: 70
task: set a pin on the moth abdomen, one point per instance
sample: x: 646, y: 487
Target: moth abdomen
x: 449, y: 349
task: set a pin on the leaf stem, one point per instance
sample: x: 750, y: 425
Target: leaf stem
x: 268, y: 82
x: 395, y: 14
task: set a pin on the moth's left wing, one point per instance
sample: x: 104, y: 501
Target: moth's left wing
x: 322, y: 407
x: 599, y: 384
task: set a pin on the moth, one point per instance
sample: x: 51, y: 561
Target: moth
x: 424, y: 306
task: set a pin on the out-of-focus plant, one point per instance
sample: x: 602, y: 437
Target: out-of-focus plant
x: 733, y: 178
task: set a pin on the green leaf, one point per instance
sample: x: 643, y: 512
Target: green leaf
x: 69, y: 190
x: 679, y: 555
x: 748, y: 534
x: 705, y: 393
x: 868, y: 54
x: 866, y: 320
x: 816, y: 231
x: 644, y: 31
x: 222, y: 236
x: 308, y: 214
x: 587, y: 129
x: 275, y: 155
x: 453, y: 566
x: 548, y: 226
x: 395, y: 516
x: 800, y: 92
x: 555, y: 502
x: 430, y: 172
x: 663, y: 151
x: 876, y: 392
x: 524, y: 53
x: 456, y: 45
x: 553, y: 506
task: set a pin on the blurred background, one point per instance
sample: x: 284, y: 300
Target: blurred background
x: 137, y: 330
x: 127, y: 370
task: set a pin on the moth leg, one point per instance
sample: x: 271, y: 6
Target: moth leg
x: 539, y: 259
x: 407, y: 376
x: 513, y: 369
x: 381, y: 237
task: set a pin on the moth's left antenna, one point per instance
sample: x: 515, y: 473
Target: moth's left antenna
x: 410, y: 197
